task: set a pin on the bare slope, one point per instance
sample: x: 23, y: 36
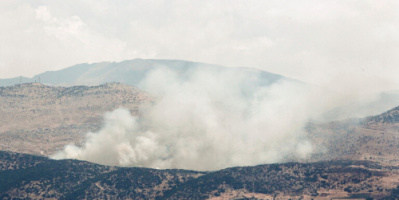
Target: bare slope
x: 36, y: 118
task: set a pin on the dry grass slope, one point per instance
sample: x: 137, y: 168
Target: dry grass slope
x: 40, y: 119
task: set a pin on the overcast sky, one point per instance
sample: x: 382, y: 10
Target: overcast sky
x: 348, y: 43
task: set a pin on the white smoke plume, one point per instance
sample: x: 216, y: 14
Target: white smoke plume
x: 210, y: 119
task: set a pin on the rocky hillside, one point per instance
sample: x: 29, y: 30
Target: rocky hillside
x: 40, y: 119
x: 389, y: 117
x: 25, y: 176
x: 371, y: 138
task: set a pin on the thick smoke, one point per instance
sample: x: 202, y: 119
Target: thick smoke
x: 207, y: 120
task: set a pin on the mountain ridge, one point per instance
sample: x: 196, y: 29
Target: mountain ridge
x: 129, y: 72
x: 389, y: 117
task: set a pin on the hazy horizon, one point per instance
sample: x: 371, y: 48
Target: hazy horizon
x: 343, y: 45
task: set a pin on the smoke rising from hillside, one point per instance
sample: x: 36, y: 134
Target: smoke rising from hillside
x: 208, y: 120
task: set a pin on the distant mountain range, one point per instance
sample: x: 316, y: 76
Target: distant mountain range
x: 130, y: 72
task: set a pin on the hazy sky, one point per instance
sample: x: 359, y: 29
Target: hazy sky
x: 352, y: 44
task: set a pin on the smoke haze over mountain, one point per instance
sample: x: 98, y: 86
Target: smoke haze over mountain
x: 210, y: 120
x: 344, y: 45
